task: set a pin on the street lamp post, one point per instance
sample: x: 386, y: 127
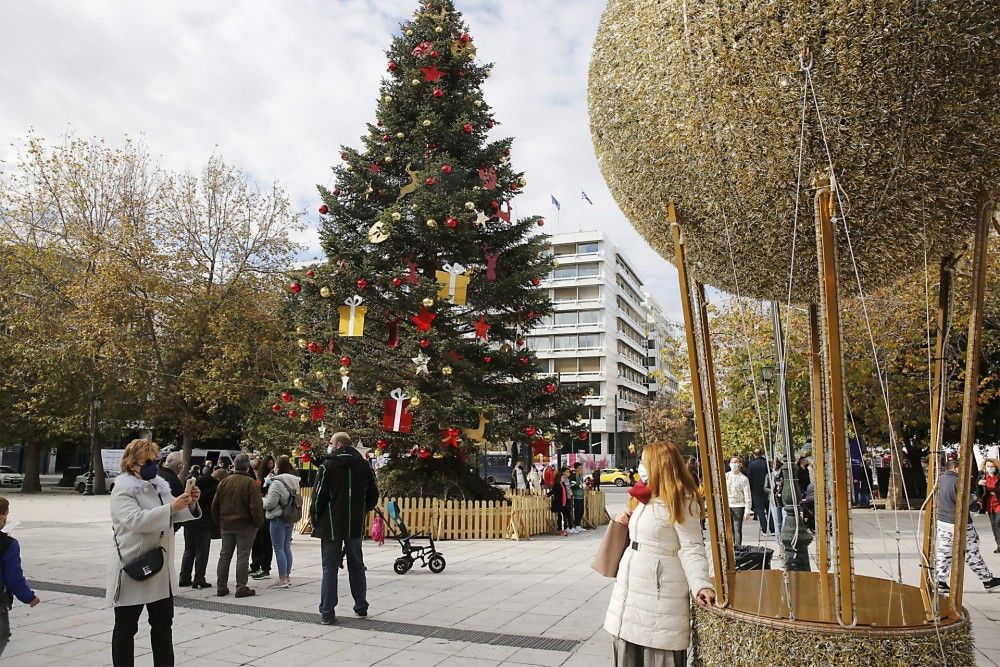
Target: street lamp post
x: 95, y: 453
x: 767, y: 375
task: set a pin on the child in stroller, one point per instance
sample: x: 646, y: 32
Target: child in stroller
x: 429, y: 556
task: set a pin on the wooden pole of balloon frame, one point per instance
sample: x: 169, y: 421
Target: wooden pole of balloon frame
x: 819, y: 448
x: 970, y: 399
x: 836, y: 419
x: 710, y: 449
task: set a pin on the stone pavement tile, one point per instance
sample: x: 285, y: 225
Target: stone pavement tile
x: 26, y: 643
x: 487, y: 652
x: 534, y: 656
x: 411, y: 658
x: 457, y: 661
x: 79, y: 647
x: 445, y: 647
x: 587, y: 660
x: 986, y: 658
x: 39, y: 659
x: 90, y: 628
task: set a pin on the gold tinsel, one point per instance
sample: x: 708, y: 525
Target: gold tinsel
x: 739, y: 640
x: 700, y: 102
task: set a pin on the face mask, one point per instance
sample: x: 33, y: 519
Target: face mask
x: 991, y: 470
x: 734, y: 467
x: 643, y: 473
x: 148, y: 470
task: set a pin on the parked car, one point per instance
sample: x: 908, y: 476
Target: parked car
x: 10, y: 477
x: 80, y: 484
x: 616, y: 477
x: 496, y: 467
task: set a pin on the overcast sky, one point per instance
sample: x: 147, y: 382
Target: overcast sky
x: 278, y: 87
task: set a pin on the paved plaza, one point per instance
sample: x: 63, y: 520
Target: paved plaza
x: 535, y: 602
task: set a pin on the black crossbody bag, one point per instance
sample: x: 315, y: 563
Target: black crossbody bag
x: 147, y: 564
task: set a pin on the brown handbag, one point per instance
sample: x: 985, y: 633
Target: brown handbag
x: 609, y: 553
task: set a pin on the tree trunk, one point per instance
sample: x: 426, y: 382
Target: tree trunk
x: 187, y: 445
x: 895, y: 498
x: 97, y: 465
x: 32, y: 483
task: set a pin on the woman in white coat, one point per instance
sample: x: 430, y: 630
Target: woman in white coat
x: 663, y: 565
x: 143, y: 514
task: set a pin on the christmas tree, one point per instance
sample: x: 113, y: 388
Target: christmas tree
x: 410, y: 335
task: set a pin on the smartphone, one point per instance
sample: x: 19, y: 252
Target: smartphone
x: 189, y: 485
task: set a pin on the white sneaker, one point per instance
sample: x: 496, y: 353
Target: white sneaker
x: 577, y: 530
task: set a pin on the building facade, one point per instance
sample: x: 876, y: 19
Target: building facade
x: 603, y: 337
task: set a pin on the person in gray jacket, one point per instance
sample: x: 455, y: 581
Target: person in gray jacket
x: 284, y: 483
x: 947, y: 500
x: 143, y: 514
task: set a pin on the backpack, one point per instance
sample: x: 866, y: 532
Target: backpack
x: 291, y: 512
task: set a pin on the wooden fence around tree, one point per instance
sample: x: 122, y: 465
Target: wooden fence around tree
x: 522, y: 515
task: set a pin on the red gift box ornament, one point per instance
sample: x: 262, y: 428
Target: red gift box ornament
x: 395, y: 416
x: 450, y: 436
x: 317, y: 411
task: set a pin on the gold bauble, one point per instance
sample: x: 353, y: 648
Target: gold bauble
x: 439, y: 29
x: 344, y: 371
x: 415, y: 401
x: 324, y: 292
x: 349, y: 167
x: 687, y: 105
x: 415, y: 82
x: 303, y: 418
x: 428, y: 302
x: 300, y: 329
x: 426, y: 123
x: 388, y: 159
x: 303, y: 343
x: 396, y: 216
x: 432, y: 223
x: 320, y: 375
x: 477, y: 103
x: 446, y: 370
x: 297, y: 383
x: 387, y: 98
x: 438, y: 455
x: 303, y: 403
x: 378, y: 387
x: 470, y: 206
x: 400, y: 135
x: 523, y: 182
x: 379, y: 451
x: 409, y: 32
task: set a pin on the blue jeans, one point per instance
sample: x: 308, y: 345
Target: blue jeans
x: 332, y: 551
x: 778, y: 516
x: 281, y: 540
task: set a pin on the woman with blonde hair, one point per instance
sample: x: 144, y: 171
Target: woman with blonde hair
x: 663, y: 566
x: 989, y: 503
x: 141, y: 568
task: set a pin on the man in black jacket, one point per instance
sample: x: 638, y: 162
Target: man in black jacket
x: 344, y: 493
x: 198, y: 536
x: 758, y: 471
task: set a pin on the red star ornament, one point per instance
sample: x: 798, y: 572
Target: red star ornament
x: 482, y: 328
x: 423, y: 319
x: 432, y: 73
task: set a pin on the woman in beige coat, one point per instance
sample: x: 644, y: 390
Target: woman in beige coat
x: 143, y: 514
x: 663, y: 566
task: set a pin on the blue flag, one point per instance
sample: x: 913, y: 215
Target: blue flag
x: 583, y: 195
x: 555, y: 202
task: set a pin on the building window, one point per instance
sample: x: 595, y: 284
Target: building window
x: 589, y: 316
x: 565, y: 319
x: 590, y: 293
x: 650, y: 344
x: 565, y: 365
x: 563, y: 272
x: 587, y: 248
x: 587, y: 270
x: 564, y: 294
x: 565, y: 249
x: 590, y: 364
x: 650, y: 362
x: 590, y: 341
x: 565, y: 342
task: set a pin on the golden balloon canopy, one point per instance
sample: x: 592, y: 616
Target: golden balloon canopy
x: 704, y: 103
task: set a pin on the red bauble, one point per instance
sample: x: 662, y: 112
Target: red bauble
x: 296, y: 288
x: 343, y: 156
x: 425, y: 343
x: 345, y: 360
x: 466, y: 38
x: 446, y: 169
x: 489, y: 124
x: 423, y: 453
x: 506, y: 152
x: 323, y: 210
x: 531, y: 430
x: 396, y: 282
x: 541, y: 222
x: 487, y: 359
x: 495, y: 204
x: 520, y: 342
x: 362, y: 283
x: 550, y: 388
x: 336, y: 191
x: 430, y: 182
x: 352, y: 400
x: 536, y: 281
x: 467, y: 128
x: 524, y: 361
x: 438, y: 92
x: 381, y: 443
x: 293, y: 414
x: 432, y: 146
x: 312, y: 346
x: 310, y: 274
x: 451, y: 222
x: 583, y: 435
x: 392, y: 66
x: 434, y: 54
x: 286, y: 396
x: 386, y: 138
x: 276, y: 409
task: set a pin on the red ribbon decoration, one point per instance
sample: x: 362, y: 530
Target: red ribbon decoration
x: 450, y: 436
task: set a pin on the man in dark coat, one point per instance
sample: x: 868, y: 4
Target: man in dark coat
x: 170, y: 469
x: 343, y: 494
x: 198, y: 536
x: 758, y: 474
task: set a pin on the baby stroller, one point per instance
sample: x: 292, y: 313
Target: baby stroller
x: 428, y: 555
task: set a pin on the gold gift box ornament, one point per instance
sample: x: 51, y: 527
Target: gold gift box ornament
x: 352, y: 316
x: 454, y: 283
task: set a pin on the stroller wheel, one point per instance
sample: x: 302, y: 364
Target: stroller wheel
x: 403, y: 565
x: 436, y: 563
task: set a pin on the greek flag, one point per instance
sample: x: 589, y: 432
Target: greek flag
x: 583, y: 195
x: 555, y: 202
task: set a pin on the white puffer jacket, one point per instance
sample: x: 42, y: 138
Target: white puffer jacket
x: 278, y: 492
x: 650, y: 603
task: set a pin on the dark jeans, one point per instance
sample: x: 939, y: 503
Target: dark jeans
x: 4, y: 629
x: 240, y: 542
x: 577, y: 512
x: 763, y: 515
x: 995, y: 525
x: 332, y: 551
x: 197, y: 543
x: 262, y: 551
x: 564, y: 518
x: 161, y: 620
x: 736, y: 515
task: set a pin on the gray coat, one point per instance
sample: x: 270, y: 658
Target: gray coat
x: 278, y: 493
x: 137, y: 517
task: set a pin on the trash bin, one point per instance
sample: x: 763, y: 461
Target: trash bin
x: 753, y: 558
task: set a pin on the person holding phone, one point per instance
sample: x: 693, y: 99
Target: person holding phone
x: 143, y: 514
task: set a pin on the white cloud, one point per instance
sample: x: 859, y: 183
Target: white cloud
x: 278, y: 87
